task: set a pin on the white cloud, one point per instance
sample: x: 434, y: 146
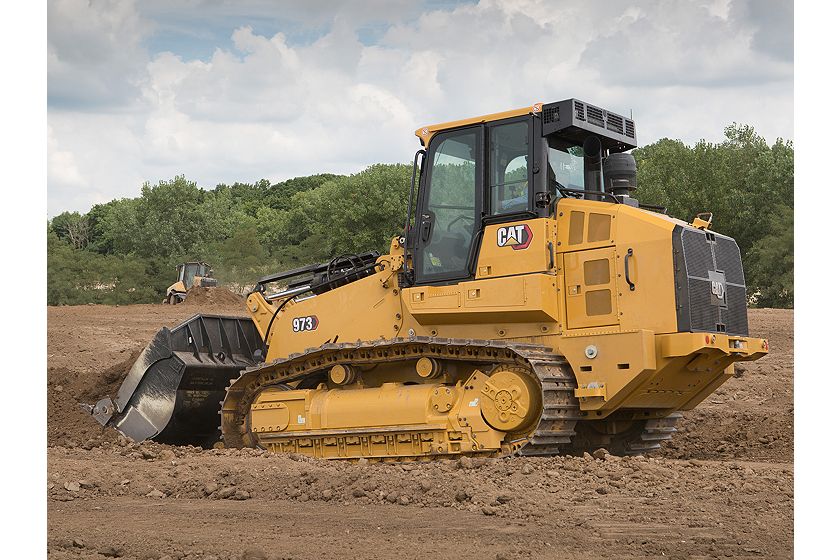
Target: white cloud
x: 262, y: 106
x: 61, y: 165
x: 94, y: 53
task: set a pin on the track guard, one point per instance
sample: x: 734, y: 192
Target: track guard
x: 172, y: 393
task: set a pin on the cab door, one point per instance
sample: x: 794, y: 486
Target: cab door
x: 449, y: 210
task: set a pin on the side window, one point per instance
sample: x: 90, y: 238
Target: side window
x: 566, y: 166
x: 448, y: 222
x: 508, y: 168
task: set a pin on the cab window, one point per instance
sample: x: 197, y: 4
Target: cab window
x: 191, y: 271
x: 449, y: 222
x: 565, y: 165
x: 508, y: 172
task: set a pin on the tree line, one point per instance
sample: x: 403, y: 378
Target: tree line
x: 125, y: 251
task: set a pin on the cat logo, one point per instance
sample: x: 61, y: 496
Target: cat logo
x: 517, y: 236
x: 717, y: 281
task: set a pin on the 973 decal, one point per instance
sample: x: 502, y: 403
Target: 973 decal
x: 302, y: 324
x: 516, y: 237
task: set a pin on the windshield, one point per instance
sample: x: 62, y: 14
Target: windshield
x: 566, y: 166
x: 192, y: 271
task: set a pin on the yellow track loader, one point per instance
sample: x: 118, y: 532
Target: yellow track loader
x: 190, y: 275
x: 532, y: 306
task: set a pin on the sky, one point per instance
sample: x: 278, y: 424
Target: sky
x: 223, y: 91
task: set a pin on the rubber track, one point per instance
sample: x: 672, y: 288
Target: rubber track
x: 553, y: 431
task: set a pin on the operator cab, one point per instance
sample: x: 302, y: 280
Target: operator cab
x: 506, y: 167
x: 188, y: 271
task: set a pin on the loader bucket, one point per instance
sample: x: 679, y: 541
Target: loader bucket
x: 172, y: 393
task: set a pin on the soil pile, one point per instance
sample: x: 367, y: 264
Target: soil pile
x: 68, y: 423
x: 215, y: 297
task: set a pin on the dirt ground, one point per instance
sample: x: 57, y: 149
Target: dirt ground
x: 722, y: 488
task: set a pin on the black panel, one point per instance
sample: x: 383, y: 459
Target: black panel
x: 704, y: 262
x: 704, y: 315
x: 577, y: 120
x: 680, y: 281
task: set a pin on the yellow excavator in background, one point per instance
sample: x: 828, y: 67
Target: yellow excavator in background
x: 532, y: 307
x: 190, y: 275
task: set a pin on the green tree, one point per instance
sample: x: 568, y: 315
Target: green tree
x: 357, y: 213
x: 77, y: 276
x: 280, y: 195
x: 743, y: 181
x: 73, y: 228
x: 770, y: 262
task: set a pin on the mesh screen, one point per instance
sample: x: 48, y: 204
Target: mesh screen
x: 700, y: 257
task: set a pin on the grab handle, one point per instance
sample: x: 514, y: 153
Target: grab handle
x: 627, y: 269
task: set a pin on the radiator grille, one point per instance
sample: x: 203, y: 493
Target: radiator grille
x: 698, y: 257
x: 736, y: 299
x: 701, y: 258
x: 729, y: 259
x: 704, y: 315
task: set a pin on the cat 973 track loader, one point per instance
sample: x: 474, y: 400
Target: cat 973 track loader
x: 532, y: 307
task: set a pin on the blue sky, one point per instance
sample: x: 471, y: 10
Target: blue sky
x: 228, y: 90
x: 196, y: 34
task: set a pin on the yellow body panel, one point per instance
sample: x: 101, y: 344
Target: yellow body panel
x: 496, y: 258
x: 567, y: 290
x: 366, y: 310
x: 176, y: 287
x: 528, y: 298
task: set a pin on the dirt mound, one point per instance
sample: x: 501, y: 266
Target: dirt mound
x: 205, y: 297
x: 751, y: 415
x: 68, y: 423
